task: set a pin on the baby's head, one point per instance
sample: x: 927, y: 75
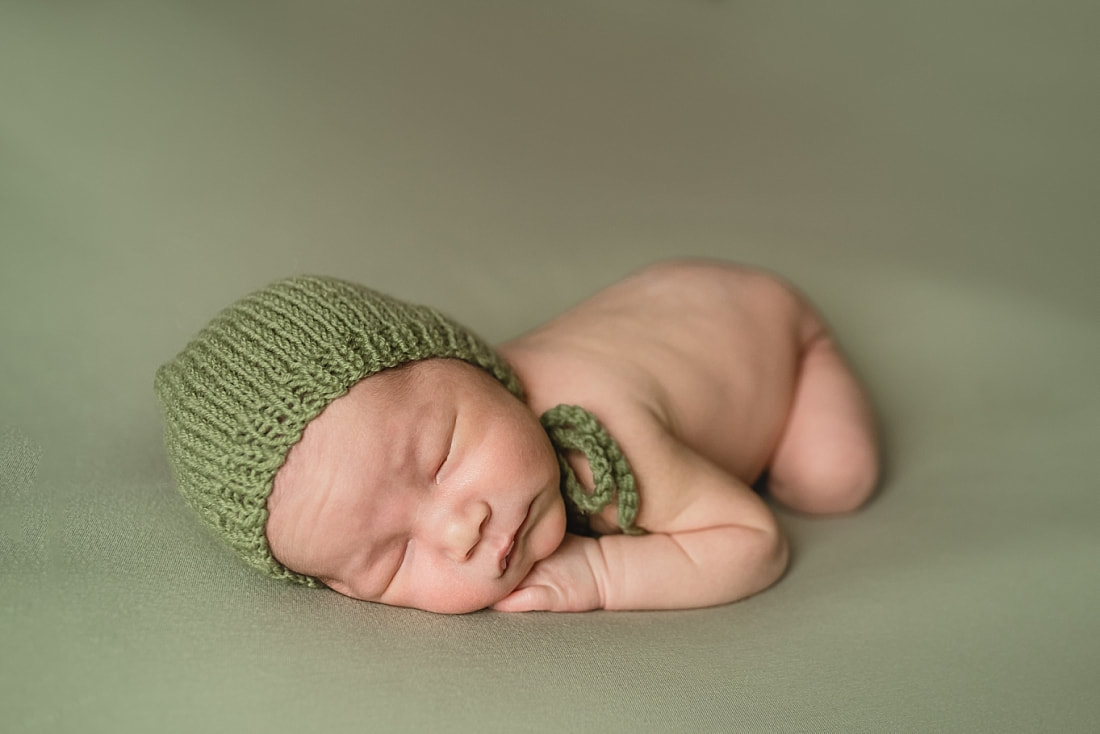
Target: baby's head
x: 426, y: 486
x: 334, y: 435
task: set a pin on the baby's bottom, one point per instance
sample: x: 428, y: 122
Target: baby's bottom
x: 827, y: 459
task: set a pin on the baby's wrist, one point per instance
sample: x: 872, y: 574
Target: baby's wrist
x: 597, y: 564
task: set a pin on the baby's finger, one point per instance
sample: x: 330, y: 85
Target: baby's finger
x: 526, y: 599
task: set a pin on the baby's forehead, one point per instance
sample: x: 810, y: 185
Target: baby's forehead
x: 392, y: 402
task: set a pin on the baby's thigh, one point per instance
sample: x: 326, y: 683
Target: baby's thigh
x: 828, y: 459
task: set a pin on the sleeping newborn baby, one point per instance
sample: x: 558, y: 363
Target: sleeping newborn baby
x: 336, y: 436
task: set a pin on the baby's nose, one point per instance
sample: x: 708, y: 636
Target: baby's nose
x: 462, y: 530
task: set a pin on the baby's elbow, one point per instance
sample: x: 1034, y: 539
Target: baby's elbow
x: 761, y: 557
x: 770, y: 549
x: 774, y: 555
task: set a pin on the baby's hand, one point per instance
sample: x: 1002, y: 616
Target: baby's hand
x: 566, y: 581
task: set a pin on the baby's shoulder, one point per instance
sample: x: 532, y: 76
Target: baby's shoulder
x: 673, y: 328
x: 711, y: 284
x: 676, y: 304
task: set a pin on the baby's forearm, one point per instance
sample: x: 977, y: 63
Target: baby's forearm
x: 687, y: 569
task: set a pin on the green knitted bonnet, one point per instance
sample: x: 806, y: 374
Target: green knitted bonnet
x: 240, y: 394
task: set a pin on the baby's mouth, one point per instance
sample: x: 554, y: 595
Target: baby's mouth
x: 507, y: 556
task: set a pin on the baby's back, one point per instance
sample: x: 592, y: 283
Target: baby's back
x: 710, y: 350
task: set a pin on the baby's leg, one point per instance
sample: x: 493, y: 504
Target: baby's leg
x: 827, y: 459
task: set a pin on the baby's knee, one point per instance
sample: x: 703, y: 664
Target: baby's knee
x: 846, y: 487
x: 832, y: 483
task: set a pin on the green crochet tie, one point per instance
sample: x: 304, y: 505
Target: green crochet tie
x: 572, y: 428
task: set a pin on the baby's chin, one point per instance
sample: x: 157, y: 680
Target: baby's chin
x: 466, y: 605
x: 483, y: 598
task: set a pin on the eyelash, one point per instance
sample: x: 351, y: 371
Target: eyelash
x: 447, y: 456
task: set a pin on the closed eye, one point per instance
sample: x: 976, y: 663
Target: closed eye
x: 449, y: 451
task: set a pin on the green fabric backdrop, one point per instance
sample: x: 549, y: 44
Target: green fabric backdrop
x: 927, y: 172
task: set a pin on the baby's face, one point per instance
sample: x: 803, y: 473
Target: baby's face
x: 426, y: 486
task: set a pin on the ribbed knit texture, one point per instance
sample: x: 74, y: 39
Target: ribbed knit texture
x: 572, y: 428
x: 240, y: 394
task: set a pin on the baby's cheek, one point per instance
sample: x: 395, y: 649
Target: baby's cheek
x: 552, y: 531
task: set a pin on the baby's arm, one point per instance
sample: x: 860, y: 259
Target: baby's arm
x: 712, y: 540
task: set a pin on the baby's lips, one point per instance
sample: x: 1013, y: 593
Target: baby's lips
x: 504, y: 557
x: 507, y: 557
